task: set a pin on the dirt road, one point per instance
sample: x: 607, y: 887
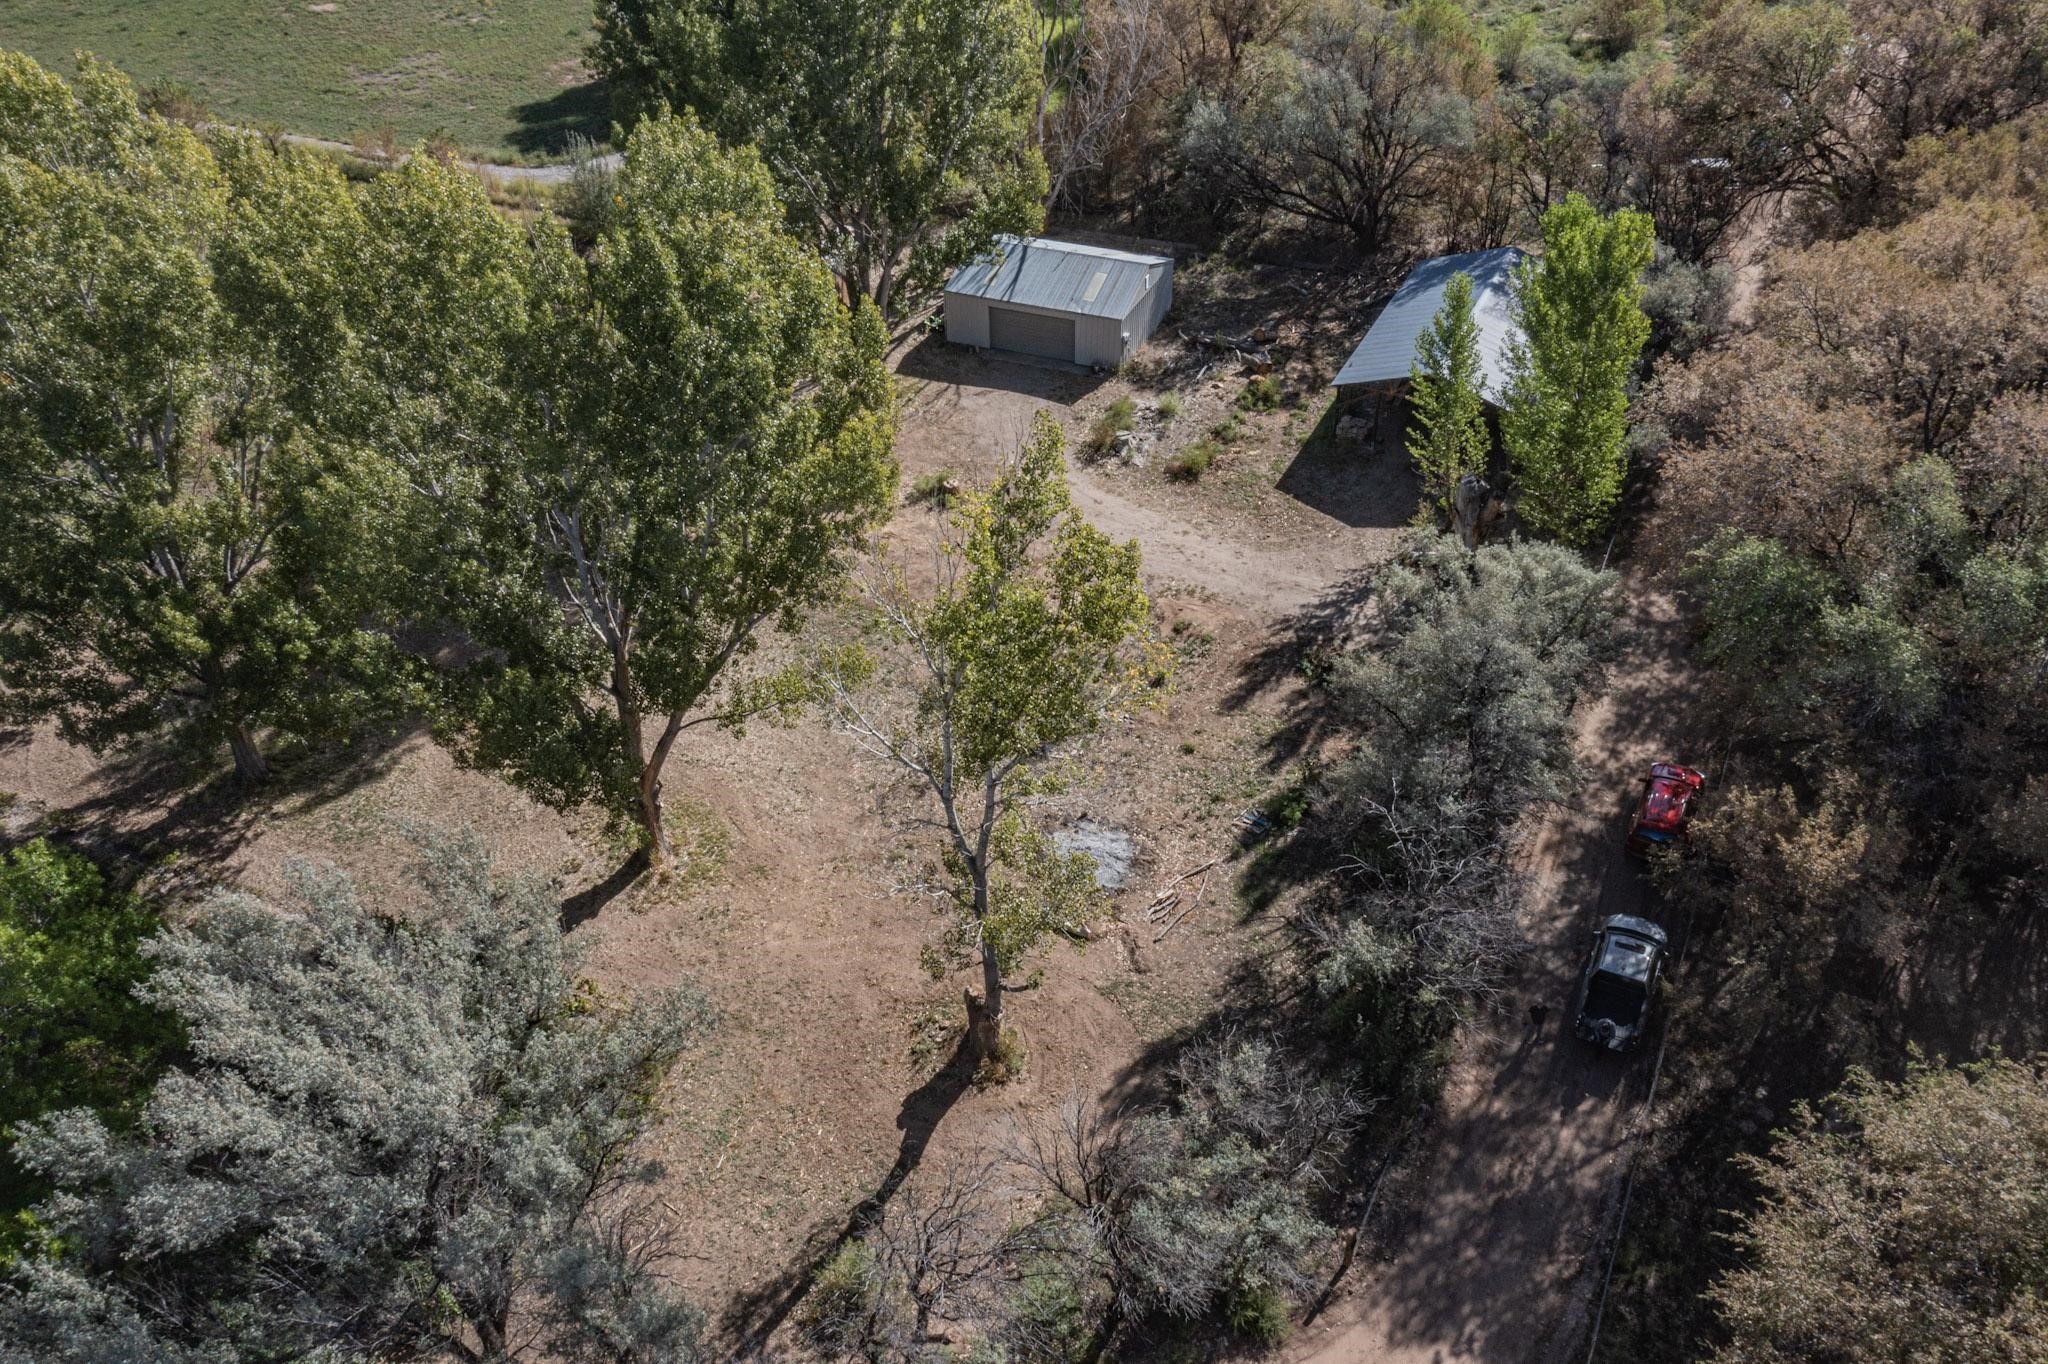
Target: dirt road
x: 1494, y: 1253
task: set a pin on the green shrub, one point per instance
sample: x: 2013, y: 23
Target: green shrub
x: 75, y: 1036
x: 1170, y: 405
x: 1258, y: 1316
x: 1004, y: 1064
x: 938, y: 488
x: 844, y: 1293
x: 1229, y: 429
x: 1115, y: 419
x: 1261, y: 394
x: 1193, y: 462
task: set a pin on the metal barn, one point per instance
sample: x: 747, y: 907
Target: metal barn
x: 1387, y: 353
x: 1060, y: 300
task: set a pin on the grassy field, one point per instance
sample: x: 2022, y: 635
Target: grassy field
x: 501, y: 77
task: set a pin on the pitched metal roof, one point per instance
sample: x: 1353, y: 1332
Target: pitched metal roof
x: 1388, y: 350
x: 1065, y: 276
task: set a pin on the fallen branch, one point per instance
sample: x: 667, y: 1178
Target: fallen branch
x: 1161, y: 934
x: 1243, y: 345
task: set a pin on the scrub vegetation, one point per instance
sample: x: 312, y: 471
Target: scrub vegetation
x: 581, y: 786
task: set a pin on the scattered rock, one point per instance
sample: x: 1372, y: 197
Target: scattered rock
x: 327, y: 7
x: 1112, y: 850
x: 1263, y: 335
x: 1354, y: 428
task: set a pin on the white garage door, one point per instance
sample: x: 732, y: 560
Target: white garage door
x: 1031, y: 333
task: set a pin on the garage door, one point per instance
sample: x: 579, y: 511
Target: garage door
x: 1031, y: 333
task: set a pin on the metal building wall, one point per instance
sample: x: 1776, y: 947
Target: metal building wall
x: 1106, y: 341
x: 966, y: 320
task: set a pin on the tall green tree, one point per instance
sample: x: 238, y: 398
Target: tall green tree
x: 178, y: 549
x: 695, y: 434
x: 1449, y: 439
x: 896, y: 129
x: 1034, y: 639
x: 1582, y: 329
x: 395, y: 1140
x: 73, y: 1034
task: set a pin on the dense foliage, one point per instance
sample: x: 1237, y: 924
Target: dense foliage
x: 1903, y: 1221
x: 73, y: 1033
x: 1464, y: 717
x: 1582, y: 329
x: 180, y: 548
x: 1449, y: 440
x: 392, y: 1136
x: 896, y: 130
x: 693, y: 436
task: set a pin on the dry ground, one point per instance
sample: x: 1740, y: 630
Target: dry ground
x: 827, y: 1080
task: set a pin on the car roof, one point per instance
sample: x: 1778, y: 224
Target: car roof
x: 1625, y: 955
x: 1664, y: 802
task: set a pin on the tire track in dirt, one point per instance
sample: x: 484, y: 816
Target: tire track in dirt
x: 1494, y: 1257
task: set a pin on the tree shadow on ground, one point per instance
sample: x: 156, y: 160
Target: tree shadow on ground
x: 1297, y: 653
x: 546, y: 125
x: 162, y: 803
x: 754, y: 1316
x: 583, y: 906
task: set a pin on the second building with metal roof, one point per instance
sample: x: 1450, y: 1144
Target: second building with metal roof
x: 1387, y: 354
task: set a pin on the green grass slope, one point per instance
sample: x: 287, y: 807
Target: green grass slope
x: 502, y: 78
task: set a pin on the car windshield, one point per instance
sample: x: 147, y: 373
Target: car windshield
x: 1615, y: 998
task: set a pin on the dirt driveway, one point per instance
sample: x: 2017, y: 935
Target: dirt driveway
x: 1495, y: 1252
x: 1492, y: 1249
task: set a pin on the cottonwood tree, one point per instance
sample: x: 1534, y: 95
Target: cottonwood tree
x: 179, y: 550
x: 699, y: 434
x: 1900, y: 1221
x: 394, y: 1139
x: 896, y: 129
x: 1449, y: 439
x: 1582, y: 328
x: 1034, y: 638
x: 1338, y: 124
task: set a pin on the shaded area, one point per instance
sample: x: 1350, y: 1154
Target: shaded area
x: 163, y: 803
x: 1297, y: 654
x: 583, y: 906
x: 543, y: 127
x: 936, y: 360
x: 1365, y: 484
x: 755, y: 1315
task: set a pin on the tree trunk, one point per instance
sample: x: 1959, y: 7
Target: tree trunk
x: 251, y: 766
x: 985, y: 1015
x: 661, y: 850
x: 647, y: 811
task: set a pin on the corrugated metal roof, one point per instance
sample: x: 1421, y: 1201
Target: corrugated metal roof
x: 1388, y: 350
x: 1065, y: 276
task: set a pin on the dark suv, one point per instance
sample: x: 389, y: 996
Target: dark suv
x: 1614, y: 994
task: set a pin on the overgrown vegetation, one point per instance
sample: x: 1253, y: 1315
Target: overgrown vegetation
x: 276, y: 422
x: 73, y: 1034
x: 390, y: 1137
